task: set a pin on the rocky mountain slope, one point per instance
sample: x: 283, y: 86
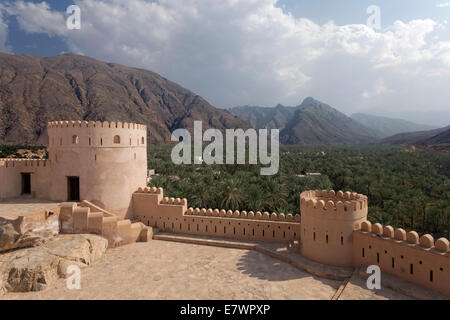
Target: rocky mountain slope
x: 261, y: 117
x: 386, y: 127
x: 437, y: 139
x: 311, y: 122
x: 411, y: 138
x: 36, y: 90
x: 443, y: 137
x: 315, y: 122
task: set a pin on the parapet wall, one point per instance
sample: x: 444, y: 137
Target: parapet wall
x: 76, y: 134
x: 172, y: 215
x: 335, y: 206
x: 23, y: 163
x: 96, y: 124
x: 406, y: 255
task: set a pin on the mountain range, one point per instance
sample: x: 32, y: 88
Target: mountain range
x: 437, y: 139
x: 386, y: 127
x: 311, y: 122
x: 314, y: 122
x: 265, y: 118
x: 36, y: 90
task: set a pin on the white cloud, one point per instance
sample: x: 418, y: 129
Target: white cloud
x: 3, y: 35
x: 251, y: 52
x: 443, y: 5
x: 37, y: 17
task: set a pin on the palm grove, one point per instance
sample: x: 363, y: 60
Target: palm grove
x: 405, y: 189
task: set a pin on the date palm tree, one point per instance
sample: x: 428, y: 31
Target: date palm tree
x: 232, y: 194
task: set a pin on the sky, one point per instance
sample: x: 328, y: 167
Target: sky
x: 261, y: 52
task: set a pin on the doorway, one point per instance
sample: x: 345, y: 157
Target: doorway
x: 73, y: 188
x: 26, y: 183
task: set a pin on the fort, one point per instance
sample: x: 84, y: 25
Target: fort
x: 98, y: 171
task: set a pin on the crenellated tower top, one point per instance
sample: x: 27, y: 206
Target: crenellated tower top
x: 97, y: 124
x: 328, y: 219
x: 334, y: 205
x: 74, y: 134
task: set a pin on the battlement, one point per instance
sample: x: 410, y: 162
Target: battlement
x: 328, y: 221
x: 425, y: 242
x: 216, y: 212
x: 13, y: 163
x: 243, y: 214
x: 96, y: 124
x: 329, y: 204
x: 76, y: 134
x: 421, y: 260
x: 163, y: 200
x: 150, y: 190
x: 172, y: 215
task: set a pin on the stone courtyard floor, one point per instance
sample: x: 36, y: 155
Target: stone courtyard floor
x: 13, y: 208
x: 171, y: 270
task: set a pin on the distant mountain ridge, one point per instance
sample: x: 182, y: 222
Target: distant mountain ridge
x: 437, y: 139
x: 36, y: 90
x: 311, y: 122
x: 441, y: 138
x: 386, y: 127
x: 261, y: 117
x: 314, y: 122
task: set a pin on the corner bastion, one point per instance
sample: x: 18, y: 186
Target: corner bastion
x: 328, y: 221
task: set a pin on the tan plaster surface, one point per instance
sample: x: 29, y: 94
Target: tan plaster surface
x: 170, y: 270
x: 13, y: 208
x: 356, y: 290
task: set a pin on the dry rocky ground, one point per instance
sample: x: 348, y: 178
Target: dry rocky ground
x: 39, y: 267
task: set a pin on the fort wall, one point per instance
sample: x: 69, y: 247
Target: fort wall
x: 406, y: 255
x: 172, y: 215
x: 328, y: 221
x: 11, y: 171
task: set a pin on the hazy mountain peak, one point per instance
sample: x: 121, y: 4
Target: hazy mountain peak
x: 315, y: 122
x: 438, y: 139
x: 311, y: 102
x: 312, y: 122
x: 386, y: 126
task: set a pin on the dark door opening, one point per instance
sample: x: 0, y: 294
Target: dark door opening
x: 73, y: 188
x: 26, y: 183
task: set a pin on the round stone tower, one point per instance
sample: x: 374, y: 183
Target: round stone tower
x: 327, y: 222
x: 97, y: 161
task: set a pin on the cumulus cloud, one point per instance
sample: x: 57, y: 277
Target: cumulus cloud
x: 37, y: 17
x: 443, y: 5
x: 252, y: 52
x: 3, y: 35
